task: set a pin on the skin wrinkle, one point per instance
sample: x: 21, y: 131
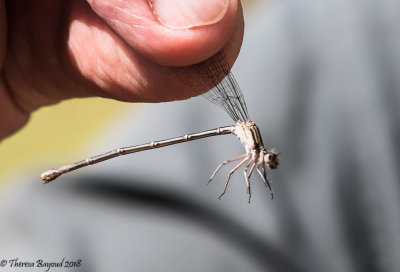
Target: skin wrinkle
x: 17, y: 68
x: 114, y: 8
x: 128, y: 13
x: 46, y: 53
x: 106, y: 81
x: 65, y: 62
x: 99, y: 80
x: 109, y: 82
x: 126, y: 31
x: 11, y: 97
x: 126, y: 24
x: 3, y: 33
x: 109, y: 17
x: 10, y: 110
x: 193, y: 26
x: 125, y: 62
x: 20, y: 60
x: 127, y: 74
x: 103, y: 77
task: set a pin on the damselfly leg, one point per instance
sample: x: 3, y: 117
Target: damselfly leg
x: 263, y: 175
x: 223, y: 163
x: 248, y: 175
x: 240, y: 164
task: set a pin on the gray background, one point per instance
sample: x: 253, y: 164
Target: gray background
x: 321, y: 80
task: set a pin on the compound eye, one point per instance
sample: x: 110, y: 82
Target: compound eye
x: 272, y: 160
x: 271, y: 156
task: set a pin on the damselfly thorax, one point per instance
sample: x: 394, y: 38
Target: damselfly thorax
x: 249, y: 135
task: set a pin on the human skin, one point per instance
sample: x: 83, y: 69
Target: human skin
x: 129, y: 50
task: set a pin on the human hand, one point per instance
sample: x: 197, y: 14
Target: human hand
x: 51, y: 50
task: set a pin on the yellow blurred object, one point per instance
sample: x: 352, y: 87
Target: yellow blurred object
x: 58, y: 131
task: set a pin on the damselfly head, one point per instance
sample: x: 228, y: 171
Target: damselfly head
x: 272, y: 159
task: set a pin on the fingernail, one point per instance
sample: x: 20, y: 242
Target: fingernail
x: 183, y: 14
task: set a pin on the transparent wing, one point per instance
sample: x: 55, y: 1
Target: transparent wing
x: 227, y: 95
x: 226, y: 92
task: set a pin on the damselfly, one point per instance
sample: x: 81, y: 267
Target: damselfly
x: 226, y: 94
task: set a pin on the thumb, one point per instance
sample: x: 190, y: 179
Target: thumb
x: 171, y: 32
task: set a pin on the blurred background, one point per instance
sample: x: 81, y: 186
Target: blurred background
x: 321, y: 80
